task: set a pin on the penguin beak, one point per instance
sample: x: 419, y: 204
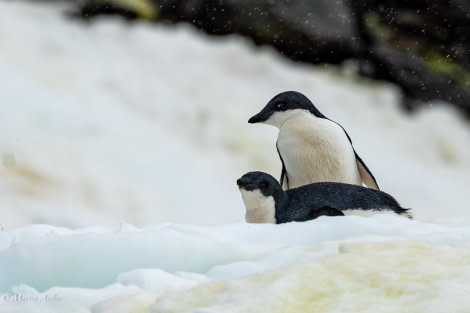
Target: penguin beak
x: 260, y: 117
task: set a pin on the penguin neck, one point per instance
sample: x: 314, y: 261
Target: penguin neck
x: 278, y: 119
x: 259, y: 208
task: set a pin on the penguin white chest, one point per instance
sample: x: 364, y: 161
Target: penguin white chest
x: 316, y: 149
x: 259, y: 208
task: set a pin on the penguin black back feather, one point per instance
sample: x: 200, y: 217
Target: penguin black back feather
x: 327, y: 198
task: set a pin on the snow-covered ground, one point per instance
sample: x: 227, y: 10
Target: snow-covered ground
x: 343, y: 264
x: 106, y: 125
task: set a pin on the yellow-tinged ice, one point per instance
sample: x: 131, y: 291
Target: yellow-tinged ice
x: 367, y: 277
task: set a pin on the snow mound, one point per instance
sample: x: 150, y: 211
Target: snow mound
x: 364, y: 277
x: 169, y: 267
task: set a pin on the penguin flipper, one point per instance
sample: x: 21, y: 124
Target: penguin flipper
x: 284, y: 181
x: 366, y: 174
x: 324, y: 211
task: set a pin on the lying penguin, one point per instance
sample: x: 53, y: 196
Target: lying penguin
x: 267, y: 202
x: 312, y: 147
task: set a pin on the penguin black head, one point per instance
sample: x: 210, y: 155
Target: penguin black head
x: 260, y: 191
x: 282, y: 107
x: 263, y: 182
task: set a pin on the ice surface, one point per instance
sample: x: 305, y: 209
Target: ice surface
x: 238, y: 267
x: 129, y: 139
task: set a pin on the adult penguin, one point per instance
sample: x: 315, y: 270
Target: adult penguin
x: 312, y: 147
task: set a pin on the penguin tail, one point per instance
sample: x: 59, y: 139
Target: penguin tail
x: 405, y: 213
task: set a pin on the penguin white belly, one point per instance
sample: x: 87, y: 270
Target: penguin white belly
x: 316, y: 150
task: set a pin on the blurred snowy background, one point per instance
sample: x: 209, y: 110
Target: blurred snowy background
x: 112, y: 123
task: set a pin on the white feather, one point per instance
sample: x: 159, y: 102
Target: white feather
x: 314, y: 149
x: 259, y: 208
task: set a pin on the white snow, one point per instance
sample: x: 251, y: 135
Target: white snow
x: 386, y: 261
x: 120, y: 146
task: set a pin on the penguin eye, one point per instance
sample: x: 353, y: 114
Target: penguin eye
x: 281, y: 106
x: 264, y: 185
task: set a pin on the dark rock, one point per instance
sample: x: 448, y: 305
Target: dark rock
x: 416, y: 79
x: 129, y: 9
x: 421, y: 46
x: 92, y: 9
x: 309, y: 31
